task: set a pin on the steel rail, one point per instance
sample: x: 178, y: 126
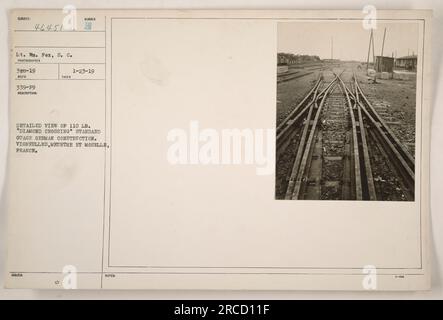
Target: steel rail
x: 355, y: 148
x: 401, y: 148
x: 287, y: 129
x: 389, y: 143
x: 369, y: 187
x: 294, y: 111
x: 284, y: 136
x: 301, y: 172
x: 371, y: 194
x: 364, y: 181
x: 300, y: 149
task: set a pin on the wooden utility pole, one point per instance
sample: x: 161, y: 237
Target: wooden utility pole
x: 369, y: 52
x: 371, y: 44
x: 383, y: 44
x: 373, y: 48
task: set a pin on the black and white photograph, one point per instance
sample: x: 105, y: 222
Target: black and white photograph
x: 346, y: 110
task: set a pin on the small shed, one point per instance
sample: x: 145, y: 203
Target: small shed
x: 384, y: 64
x: 407, y: 63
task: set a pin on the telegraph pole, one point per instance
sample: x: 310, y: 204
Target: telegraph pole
x: 369, y: 52
x: 383, y: 45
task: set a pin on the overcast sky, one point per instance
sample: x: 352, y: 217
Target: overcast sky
x: 350, y: 40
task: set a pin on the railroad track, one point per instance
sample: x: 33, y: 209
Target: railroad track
x: 289, y: 126
x: 307, y: 144
x: 334, y: 125
x: 292, y: 76
x: 361, y: 173
x: 395, y: 153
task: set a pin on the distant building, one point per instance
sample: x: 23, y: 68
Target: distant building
x: 284, y: 60
x: 407, y: 62
x: 290, y: 58
x: 384, y: 64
